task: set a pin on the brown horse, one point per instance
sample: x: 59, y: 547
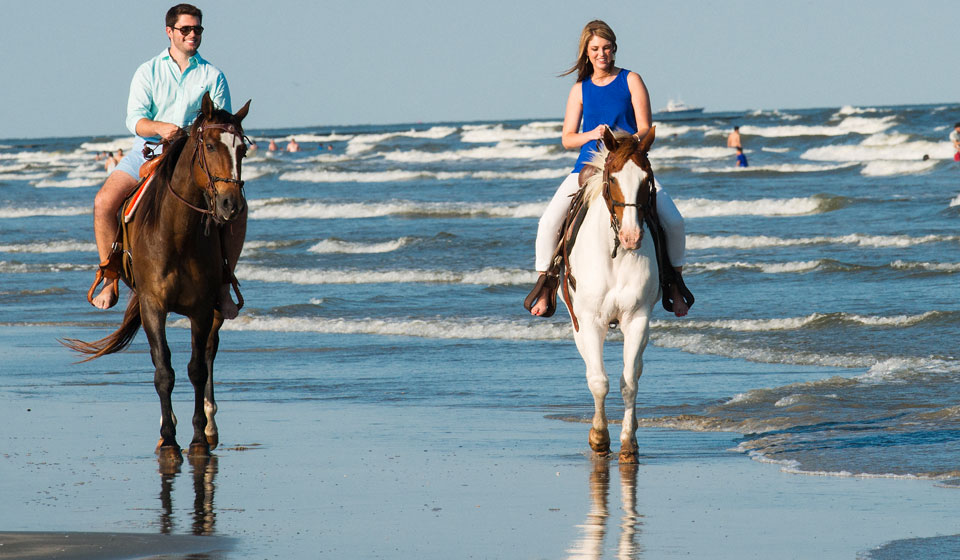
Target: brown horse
x: 178, y: 264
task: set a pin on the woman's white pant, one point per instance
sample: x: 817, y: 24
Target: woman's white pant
x: 548, y: 233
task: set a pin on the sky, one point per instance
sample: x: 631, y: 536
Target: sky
x: 66, y: 66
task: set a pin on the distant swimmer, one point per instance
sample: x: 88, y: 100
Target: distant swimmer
x: 272, y: 147
x: 741, y: 158
x: 733, y: 139
x: 292, y: 146
x: 955, y: 138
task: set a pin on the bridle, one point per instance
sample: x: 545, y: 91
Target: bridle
x: 642, y: 203
x: 199, y: 157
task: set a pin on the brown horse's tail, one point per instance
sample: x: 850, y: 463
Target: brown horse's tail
x: 120, y: 339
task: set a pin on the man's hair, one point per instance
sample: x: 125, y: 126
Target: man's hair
x: 174, y: 13
x: 737, y: 128
x: 957, y: 125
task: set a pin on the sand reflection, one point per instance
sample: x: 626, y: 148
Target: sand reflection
x: 594, y: 530
x: 203, y: 515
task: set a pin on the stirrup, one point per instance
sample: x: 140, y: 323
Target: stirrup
x: 685, y: 293
x: 235, y: 284
x: 108, y: 271
x: 546, y: 283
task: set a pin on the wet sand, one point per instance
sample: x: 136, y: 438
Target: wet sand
x: 341, y: 479
x: 97, y: 546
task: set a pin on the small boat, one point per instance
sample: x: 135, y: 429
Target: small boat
x: 679, y: 108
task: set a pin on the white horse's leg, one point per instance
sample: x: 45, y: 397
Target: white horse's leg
x: 590, y: 343
x: 636, y: 333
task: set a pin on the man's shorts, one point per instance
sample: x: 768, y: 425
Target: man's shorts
x: 131, y: 162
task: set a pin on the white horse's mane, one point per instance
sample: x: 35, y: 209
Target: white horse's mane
x: 594, y: 185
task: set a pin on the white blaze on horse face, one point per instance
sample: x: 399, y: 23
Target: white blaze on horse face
x: 630, y: 178
x: 233, y: 143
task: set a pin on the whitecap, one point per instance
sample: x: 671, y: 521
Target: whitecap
x: 8, y: 212
x: 887, y: 168
x: 289, y: 210
x: 314, y: 276
x: 74, y: 183
x: 777, y: 168
x: 470, y: 329
x: 339, y: 246
x: 49, y: 247
x: 705, y: 207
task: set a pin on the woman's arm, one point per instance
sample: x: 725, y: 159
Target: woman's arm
x: 640, y: 100
x: 570, y: 138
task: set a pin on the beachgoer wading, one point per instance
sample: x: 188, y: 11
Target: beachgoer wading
x: 604, y: 95
x: 164, y: 99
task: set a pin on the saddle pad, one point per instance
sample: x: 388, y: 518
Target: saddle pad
x: 131, y: 206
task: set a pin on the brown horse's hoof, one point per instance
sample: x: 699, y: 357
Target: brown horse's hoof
x: 600, y: 441
x: 170, y: 454
x: 213, y: 440
x: 199, y: 450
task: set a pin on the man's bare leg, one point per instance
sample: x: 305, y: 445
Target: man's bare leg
x: 233, y: 235
x: 105, y: 207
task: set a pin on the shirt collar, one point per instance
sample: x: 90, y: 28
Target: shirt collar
x: 195, y: 60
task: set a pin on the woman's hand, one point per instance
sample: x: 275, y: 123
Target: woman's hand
x: 597, y: 133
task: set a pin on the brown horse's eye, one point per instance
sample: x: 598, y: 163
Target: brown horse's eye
x: 209, y: 146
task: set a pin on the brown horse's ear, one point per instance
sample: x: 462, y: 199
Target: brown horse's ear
x: 243, y: 111
x: 647, y: 140
x: 608, y: 139
x: 206, y: 105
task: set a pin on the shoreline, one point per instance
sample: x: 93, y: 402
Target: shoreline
x: 412, y: 479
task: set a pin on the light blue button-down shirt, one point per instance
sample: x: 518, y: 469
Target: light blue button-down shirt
x: 160, y: 92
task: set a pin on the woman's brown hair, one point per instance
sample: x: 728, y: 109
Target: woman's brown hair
x: 583, y: 67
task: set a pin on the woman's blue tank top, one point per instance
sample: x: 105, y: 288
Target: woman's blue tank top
x: 609, y: 105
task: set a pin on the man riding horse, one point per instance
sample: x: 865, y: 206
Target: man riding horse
x: 165, y: 96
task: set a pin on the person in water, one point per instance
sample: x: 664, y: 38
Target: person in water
x: 165, y: 96
x: 955, y: 139
x: 733, y: 139
x: 741, y: 158
x: 604, y: 95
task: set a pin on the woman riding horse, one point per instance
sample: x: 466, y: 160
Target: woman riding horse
x: 604, y: 96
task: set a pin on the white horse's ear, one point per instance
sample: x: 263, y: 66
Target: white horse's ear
x: 647, y: 140
x: 608, y: 139
x: 243, y: 111
x: 206, y: 105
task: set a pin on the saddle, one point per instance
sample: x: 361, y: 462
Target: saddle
x: 559, y: 264
x: 119, y: 264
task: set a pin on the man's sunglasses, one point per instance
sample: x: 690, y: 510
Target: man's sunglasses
x: 186, y: 29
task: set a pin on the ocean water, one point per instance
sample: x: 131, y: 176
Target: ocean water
x: 823, y: 338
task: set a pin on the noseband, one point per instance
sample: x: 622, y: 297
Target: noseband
x: 641, y: 205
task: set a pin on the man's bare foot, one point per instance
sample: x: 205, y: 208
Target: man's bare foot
x: 107, y: 297
x: 228, y: 309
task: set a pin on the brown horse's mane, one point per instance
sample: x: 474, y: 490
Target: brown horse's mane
x: 154, y: 197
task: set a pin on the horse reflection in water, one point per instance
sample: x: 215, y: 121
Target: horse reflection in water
x: 590, y: 545
x: 204, y: 516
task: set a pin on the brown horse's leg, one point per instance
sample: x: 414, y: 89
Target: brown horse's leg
x: 154, y: 325
x: 209, y: 402
x: 199, y: 375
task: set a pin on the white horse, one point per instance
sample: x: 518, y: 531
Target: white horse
x: 613, y: 275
